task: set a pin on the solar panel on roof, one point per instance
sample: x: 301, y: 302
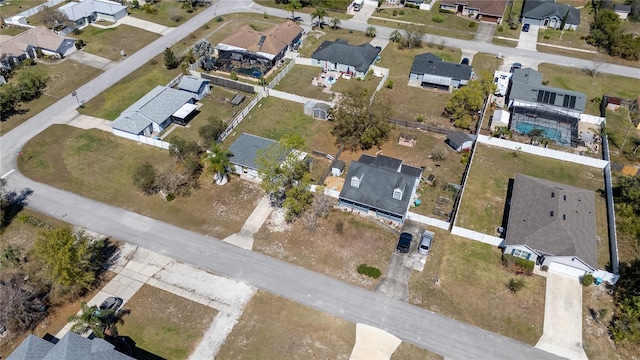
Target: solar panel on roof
x: 262, y: 39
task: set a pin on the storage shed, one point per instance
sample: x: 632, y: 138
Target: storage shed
x: 318, y: 110
x: 500, y: 118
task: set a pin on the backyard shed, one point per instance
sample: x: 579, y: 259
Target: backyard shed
x: 500, y: 118
x: 459, y: 140
x: 318, y: 110
x: 337, y: 167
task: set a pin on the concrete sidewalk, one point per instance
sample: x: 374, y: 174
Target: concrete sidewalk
x: 373, y: 343
x: 146, y: 25
x: 244, y: 238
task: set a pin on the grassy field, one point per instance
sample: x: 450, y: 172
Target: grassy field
x: 111, y: 102
x: 619, y: 126
x: 13, y: 7
x: 579, y: 80
x: 330, y: 251
x: 164, y: 324
x: 452, y: 26
x: 298, y: 81
x: 482, y: 206
x: 303, y: 333
x: 169, y: 13
x: 10, y: 31
x: 108, y: 42
x: 572, y: 38
x: 99, y: 165
x: 465, y: 280
x: 64, y: 77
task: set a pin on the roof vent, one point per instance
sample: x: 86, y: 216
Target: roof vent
x: 564, y: 217
x: 397, y: 193
x: 551, y: 214
x: 553, y: 194
x: 564, y: 197
x: 355, y: 181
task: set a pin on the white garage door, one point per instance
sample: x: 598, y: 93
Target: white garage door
x: 566, y: 270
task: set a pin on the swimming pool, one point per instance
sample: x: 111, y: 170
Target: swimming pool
x: 330, y: 80
x: 255, y: 72
x: 549, y: 133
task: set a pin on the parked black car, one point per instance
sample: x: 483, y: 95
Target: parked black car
x: 404, y: 243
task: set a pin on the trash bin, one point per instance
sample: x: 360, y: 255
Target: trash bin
x: 417, y: 202
x: 598, y: 281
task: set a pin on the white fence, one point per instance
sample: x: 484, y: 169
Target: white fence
x: 440, y: 224
x: 540, y: 151
x: 477, y: 236
x: 385, y: 76
x: 37, y: 9
x: 241, y: 115
x: 293, y: 97
x: 153, y: 142
x: 281, y: 74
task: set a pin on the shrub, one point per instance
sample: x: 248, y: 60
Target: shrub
x: 546, y: 37
x: 517, y: 265
x: 420, y: 118
x: 401, y: 12
x: 527, y: 265
x: 412, y: 6
x: 437, y: 18
x: 32, y: 220
x: 370, y: 271
x: 144, y: 179
x: 219, y: 19
x: 390, y: 84
x: 445, y: 11
x: 80, y: 44
x: 500, y: 28
x: 394, y: 13
x: 234, y: 75
x: 438, y: 155
x: 515, y: 284
x: 10, y: 256
x: 473, y: 24
x: 587, y: 280
x: 339, y: 227
x: 170, y: 197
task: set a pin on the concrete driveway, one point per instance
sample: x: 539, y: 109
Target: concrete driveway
x: 365, y: 12
x: 562, y: 332
x: 529, y: 40
x: 145, y: 25
x: 94, y: 61
x: 485, y: 32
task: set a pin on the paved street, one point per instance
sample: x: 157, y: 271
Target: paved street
x: 436, y: 333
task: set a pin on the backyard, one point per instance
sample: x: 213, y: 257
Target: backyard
x: 168, y: 13
x: 484, y: 199
x: 451, y: 25
x: 64, y: 77
x: 70, y: 159
x: 302, y: 333
x: 13, y: 7
x: 465, y: 280
x: 109, y: 42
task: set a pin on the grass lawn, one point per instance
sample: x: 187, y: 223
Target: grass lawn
x: 482, y: 205
x: 298, y: 81
x: 10, y: 31
x: 586, y: 56
x: 164, y: 324
x: 338, y: 9
x: 507, y: 43
x: 108, y: 42
x: 303, y: 333
x: 485, y: 64
x: 13, y: 7
x: 570, y: 38
x: 71, y: 159
x: 330, y: 251
x: 111, y: 102
x: 579, y: 80
x: 317, y: 37
x: 465, y: 280
x: 170, y: 13
x: 452, y: 26
x: 64, y: 77
x: 273, y: 118
x: 618, y: 126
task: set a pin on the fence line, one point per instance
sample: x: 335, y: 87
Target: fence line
x: 153, y: 142
x: 421, y: 126
x: 385, y: 76
x: 546, y: 152
x: 611, y: 215
x: 175, y: 81
x: 440, y: 224
x: 241, y: 115
x: 281, y: 74
x: 477, y: 236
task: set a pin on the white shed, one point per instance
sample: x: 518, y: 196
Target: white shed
x: 318, y: 110
x: 500, y: 118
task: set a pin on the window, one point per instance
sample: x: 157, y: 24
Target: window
x: 520, y: 253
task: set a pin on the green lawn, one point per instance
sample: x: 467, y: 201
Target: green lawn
x: 335, y: 8
x: 619, y: 126
x: 298, y: 81
x: 111, y: 102
x: 13, y: 7
x: 64, y: 77
x: 452, y: 26
x: 108, y: 42
x: 169, y: 13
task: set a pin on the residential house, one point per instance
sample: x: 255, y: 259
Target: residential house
x: 154, y: 112
x: 199, y: 87
x: 71, y: 347
x: 260, y: 48
x: 547, y: 13
x: 245, y: 152
x: 535, y: 106
x: 552, y: 224
x: 86, y: 12
x: 319, y: 110
x: 338, y: 55
x: 429, y: 70
x: 485, y: 10
x: 622, y: 10
x: 459, y: 140
x: 28, y: 45
x: 381, y: 186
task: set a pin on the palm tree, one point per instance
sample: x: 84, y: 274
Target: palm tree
x: 395, y: 36
x: 217, y: 161
x: 96, y: 320
x: 319, y: 14
x: 502, y: 132
x: 292, y: 6
x: 334, y: 23
x: 371, y: 31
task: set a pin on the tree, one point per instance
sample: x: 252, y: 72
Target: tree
x: 594, y: 70
x: 100, y: 322
x: 19, y: 309
x: 502, y: 132
x: 395, y: 36
x: 181, y: 148
x: 335, y: 23
x: 293, y: 6
x: 54, y: 19
x: 371, y: 31
x: 210, y: 131
x: 8, y: 101
x: 30, y: 84
x: 170, y: 60
x: 68, y: 260
x: 217, y: 163
x: 144, y: 178
x: 202, y: 49
x: 413, y: 37
x: 466, y: 100
x: 625, y: 325
x: 360, y: 123
x: 298, y: 198
x: 319, y: 14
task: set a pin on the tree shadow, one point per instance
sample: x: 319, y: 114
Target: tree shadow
x: 128, y: 346
x: 13, y: 202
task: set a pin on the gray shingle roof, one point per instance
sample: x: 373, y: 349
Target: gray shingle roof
x: 245, y: 150
x: 191, y: 83
x: 553, y: 218
x: 526, y: 85
x: 431, y: 64
x: 377, y: 184
x: 358, y: 56
x: 71, y: 347
x: 540, y: 9
x: 132, y: 123
x: 458, y: 138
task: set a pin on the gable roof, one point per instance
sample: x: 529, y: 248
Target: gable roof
x: 340, y: 52
x: 245, y: 150
x: 71, y: 347
x: 39, y: 36
x: 526, y: 85
x: 553, y: 218
x: 191, y: 83
x: 540, y: 9
x: 378, y: 179
x: 485, y: 7
x: 268, y: 43
x: 431, y: 64
x: 79, y: 10
x: 458, y: 138
x: 622, y: 8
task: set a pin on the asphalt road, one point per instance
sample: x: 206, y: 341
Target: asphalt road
x: 423, y: 328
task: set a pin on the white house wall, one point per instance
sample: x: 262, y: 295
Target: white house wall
x: 510, y: 248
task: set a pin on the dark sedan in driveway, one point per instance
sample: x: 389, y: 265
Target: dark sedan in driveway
x: 404, y: 242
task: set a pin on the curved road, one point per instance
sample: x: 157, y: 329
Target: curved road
x: 423, y: 328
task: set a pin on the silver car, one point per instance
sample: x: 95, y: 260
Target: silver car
x: 425, y: 242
